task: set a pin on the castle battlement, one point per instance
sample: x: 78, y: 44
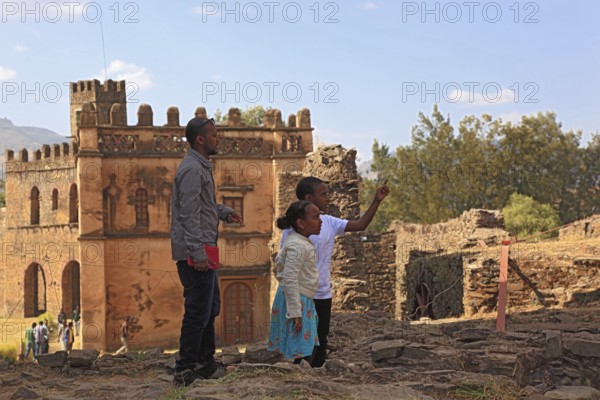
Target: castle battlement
x: 88, y: 116
x: 48, y: 152
x: 94, y: 91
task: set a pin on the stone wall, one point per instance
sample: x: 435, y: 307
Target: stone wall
x: 337, y: 166
x: 583, y: 229
x: 430, y: 258
x: 379, y: 262
x: 362, y: 267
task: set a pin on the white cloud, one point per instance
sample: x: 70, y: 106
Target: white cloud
x: 6, y: 73
x: 480, y: 96
x: 369, y: 5
x: 132, y: 73
x: 513, y: 117
x: 20, y: 48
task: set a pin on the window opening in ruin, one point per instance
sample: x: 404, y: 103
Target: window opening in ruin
x: 35, y: 291
x: 141, y: 209
x: 70, y: 287
x: 34, y: 200
x: 73, y: 205
x: 55, y: 199
x: 237, y: 203
x: 238, y: 311
x: 423, y: 306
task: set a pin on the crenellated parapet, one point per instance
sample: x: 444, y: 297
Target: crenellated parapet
x: 48, y: 152
x: 147, y: 139
x: 93, y: 91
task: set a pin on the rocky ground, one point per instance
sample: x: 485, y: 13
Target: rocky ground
x: 545, y: 354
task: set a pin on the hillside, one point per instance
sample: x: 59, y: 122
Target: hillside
x: 17, y: 137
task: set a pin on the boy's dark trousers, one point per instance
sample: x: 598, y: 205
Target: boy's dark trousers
x: 323, y: 307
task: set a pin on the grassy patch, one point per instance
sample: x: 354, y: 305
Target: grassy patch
x: 491, y: 391
x: 9, y: 352
x: 246, y: 373
x: 176, y: 393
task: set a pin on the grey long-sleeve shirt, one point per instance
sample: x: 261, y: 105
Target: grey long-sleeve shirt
x: 195, y: 213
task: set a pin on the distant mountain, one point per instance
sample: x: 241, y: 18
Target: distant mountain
x: 364, y: 170
x: 29, y: 137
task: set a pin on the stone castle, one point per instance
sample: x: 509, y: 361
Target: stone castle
x: 88, y: 222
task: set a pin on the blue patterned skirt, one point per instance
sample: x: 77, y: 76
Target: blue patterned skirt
x: 282, y: 337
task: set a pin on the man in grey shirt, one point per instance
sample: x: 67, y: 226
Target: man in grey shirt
x: 194, y: 224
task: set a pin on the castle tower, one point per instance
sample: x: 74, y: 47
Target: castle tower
x: 101, y: 96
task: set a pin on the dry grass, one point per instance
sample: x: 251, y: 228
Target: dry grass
x: 491, y: 391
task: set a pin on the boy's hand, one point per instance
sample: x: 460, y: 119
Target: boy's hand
x: 382, y: 191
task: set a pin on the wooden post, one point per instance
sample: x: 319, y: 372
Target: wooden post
x: 501, y: 319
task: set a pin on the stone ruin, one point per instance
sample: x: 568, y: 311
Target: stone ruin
x: 442, y: 270
x: 584, y: 229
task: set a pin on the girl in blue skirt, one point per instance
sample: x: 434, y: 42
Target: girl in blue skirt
x: 293, y: 330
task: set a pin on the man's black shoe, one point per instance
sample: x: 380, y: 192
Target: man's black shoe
x: 212, y: 370
x: 186, y: 377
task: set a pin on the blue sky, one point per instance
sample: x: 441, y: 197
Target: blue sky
x: 364, y: 68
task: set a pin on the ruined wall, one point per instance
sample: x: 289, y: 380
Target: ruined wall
x: 430, y: 260
x: 583, y: 229
x: 362, y: 271
x: 337, y: 166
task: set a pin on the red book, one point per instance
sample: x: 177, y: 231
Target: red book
x: 213, y: 257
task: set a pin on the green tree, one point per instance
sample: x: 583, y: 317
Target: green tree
x: 524, y: 216
x: 536, y: 158
x: 251, y: 116
x: 445, y: 171
x: 588, y: 184
x: 388, y: 210
x: 2, y: 194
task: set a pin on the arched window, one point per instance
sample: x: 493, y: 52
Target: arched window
x: 35, y: 291
x: 55, y: 199
x: 73, y: 205
x: 34, y: 200
x: 141, y: 208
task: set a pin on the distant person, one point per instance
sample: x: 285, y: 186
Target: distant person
x: 194, y: 230
x: 124, y: 335
x: 316, y: 191
x: 30, y: 341
x: 76, y: 317
x: 47, y: 331
x: 39, y: 335
x: 62, y: 317
x: 61, y: 333
x: 293, y: 330
x: 68, y: 337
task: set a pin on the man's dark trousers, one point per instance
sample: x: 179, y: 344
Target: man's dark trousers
x: 201, y: 306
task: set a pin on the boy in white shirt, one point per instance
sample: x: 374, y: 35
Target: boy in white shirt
x: 316, y: 191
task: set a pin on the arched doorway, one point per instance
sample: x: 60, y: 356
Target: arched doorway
x: 238, y: 312
x: 35, y: 291
x: 70, y: 287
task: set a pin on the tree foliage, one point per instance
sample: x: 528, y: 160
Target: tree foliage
x: 2, y: 194
x: 251, y: 116
x: 523, y: 216
x: 445, y: 171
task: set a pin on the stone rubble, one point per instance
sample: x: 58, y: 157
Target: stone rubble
x: 545, y: 354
